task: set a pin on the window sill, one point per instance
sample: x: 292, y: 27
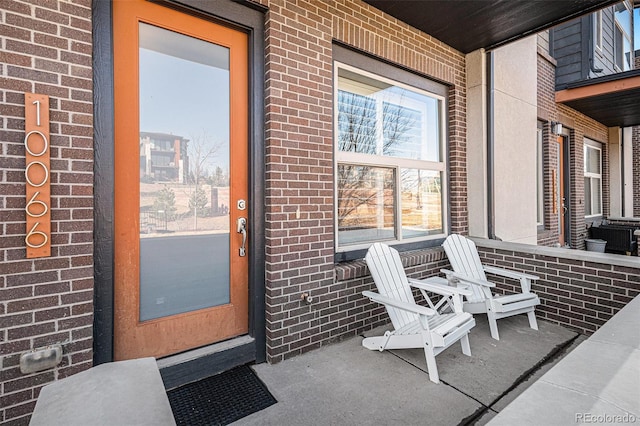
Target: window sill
x: 358, y: 268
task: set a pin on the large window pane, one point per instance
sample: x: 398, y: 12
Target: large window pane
x: 421, y: 198
x: 389, y: 160
x: 356, y: 123
x: 592, y: 178
x: 618, y: 48
x: 587, y: 197
x: 365, y: 204
x: 377, y: 118
x: 596, y: 191
x: 184, y: 173
x: 592, y: 160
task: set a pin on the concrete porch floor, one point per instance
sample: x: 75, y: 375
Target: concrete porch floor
x: 546, y: 377
x: 346, y: 384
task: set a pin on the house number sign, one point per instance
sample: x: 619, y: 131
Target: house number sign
x: 37, y: 175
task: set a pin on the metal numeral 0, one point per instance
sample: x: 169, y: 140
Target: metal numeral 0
x: 32, y: 202
x: 44, y: 138
x: 46, y: 173
x: 34, y: 232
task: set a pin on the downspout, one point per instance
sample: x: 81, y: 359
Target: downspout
x: 490, y: 146
x: 622, y: 176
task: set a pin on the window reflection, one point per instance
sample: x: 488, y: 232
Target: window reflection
x: 184, y: 173
x: 389, y: 160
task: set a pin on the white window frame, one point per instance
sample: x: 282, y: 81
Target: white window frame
x: 598, y: 30
x: 396, y: 163
x: 589, y: 144
x: 625, y: 36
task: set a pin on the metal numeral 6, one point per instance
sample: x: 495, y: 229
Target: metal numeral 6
x: 34, y: 232
x: 32, y: 202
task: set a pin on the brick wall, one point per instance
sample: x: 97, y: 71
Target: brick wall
x: 579, y: 126
x: 45, y: 48
x: 580, y: 290
x: 299, y: 157
x: 582, y: 126
x: 547, y: 113
x: 353, y: 278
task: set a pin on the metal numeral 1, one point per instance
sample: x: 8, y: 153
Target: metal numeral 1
x: 37, y: 104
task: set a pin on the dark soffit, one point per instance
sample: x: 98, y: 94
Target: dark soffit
x: 469, y: 25
x: 613, y: 100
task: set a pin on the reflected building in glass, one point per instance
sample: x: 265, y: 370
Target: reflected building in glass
x: 163, y: 157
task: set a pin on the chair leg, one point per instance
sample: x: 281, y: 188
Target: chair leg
x: 431, y: 363
x: 493, y: 324
x: 533, y: 323
x: 466, y: 348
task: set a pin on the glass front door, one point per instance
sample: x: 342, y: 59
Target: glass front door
x: 181, y: 181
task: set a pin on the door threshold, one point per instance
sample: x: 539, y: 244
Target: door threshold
x: 191, y: 355
x: 186, y: 367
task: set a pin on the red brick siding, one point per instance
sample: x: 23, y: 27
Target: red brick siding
x: 547, y: 113
x: 299, y: 158
x: 353, y: 278
x: 582, y: 126
x: 579, y: 126
x: 579, y: 294
x: 46, y: 48
x: 550, y: 153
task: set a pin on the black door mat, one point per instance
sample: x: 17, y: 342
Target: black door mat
x: 220, y: 399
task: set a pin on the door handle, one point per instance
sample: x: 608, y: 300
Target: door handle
x: 242, y: 229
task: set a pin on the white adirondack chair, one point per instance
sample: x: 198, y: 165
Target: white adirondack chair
x: 415, y: 326
x: 469, y: 271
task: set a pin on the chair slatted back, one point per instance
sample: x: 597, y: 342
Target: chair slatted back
x: 388, y: 273
x: 464, y: 259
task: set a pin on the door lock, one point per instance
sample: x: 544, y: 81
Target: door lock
x: 242, y: 229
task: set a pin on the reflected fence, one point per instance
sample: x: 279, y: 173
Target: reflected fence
x: 153, y: 221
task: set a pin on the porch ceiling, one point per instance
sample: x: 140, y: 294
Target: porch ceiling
x: 612, y: 100
x: 469, y: 25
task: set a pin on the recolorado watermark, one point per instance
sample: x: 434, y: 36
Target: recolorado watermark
x: 586, y: 418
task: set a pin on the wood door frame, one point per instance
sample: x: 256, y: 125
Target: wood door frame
x: 249, y: 19
x: 166, y: 335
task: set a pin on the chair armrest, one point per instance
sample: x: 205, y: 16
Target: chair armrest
x: 409, y: 307
x: 440, y: 289
x: 509, y: 274
x: 466, y: 278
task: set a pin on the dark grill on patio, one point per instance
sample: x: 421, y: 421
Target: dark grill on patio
x: 619, y: 238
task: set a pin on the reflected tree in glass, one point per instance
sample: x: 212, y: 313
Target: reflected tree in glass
x: 202, y: 149
x: 365, y: 194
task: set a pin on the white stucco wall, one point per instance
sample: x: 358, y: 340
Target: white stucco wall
x: 628, y: 171
x: 627, y: 179
x: 620, y: 172
x: 477, y: 143
x: 515, y: 124
x: 615, y: 177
